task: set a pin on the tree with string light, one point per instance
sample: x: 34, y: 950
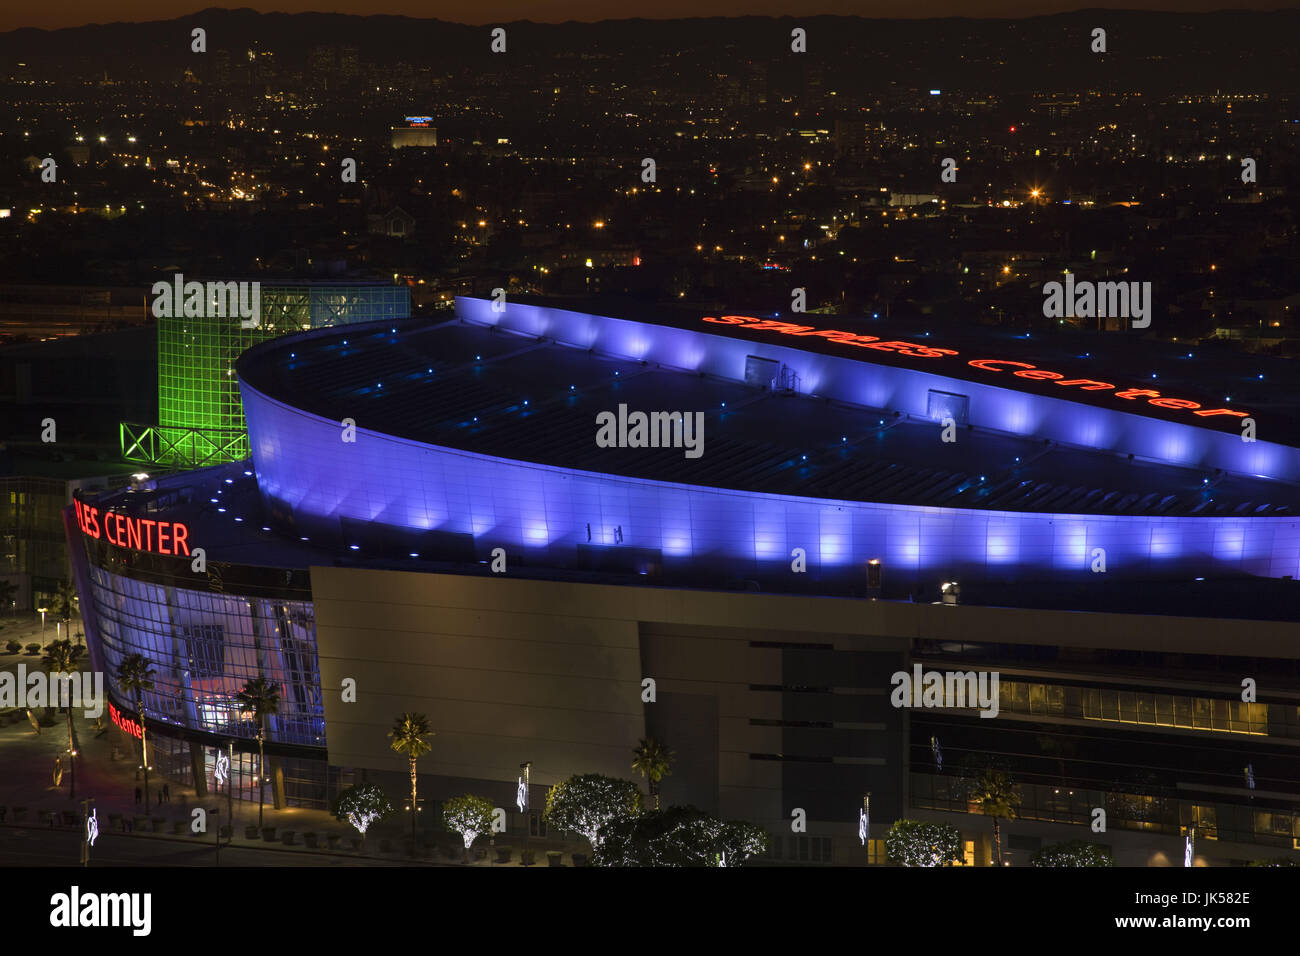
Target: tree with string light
x: 361, y: 805
x: 470, y: 816
x: 916, y: 843
x: 587, y: 803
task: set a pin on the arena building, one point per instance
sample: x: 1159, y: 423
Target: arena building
x: 430, y: 514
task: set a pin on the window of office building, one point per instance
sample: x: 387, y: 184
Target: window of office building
x: 875, y: 851
x: 1169, y: 710
x: 806, y: 849
x: 810, y: 849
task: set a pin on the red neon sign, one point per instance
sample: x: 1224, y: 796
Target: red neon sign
x: 1037, y: 374
x: 124, y: 724
x: 835, y: 335
x: 914, y: 350
x: 136, y: 534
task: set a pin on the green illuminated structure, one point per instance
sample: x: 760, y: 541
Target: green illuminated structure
x: 200, y: 418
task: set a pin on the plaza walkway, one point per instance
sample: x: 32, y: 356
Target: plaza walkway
x: 106, y: 771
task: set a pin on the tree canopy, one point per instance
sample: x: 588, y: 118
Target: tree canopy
x: 1072, y: 853
x: 916, y: 843
x: 587, y: 803
x: 468, y: 815
x: 361, y: 805
x: 679, y: 836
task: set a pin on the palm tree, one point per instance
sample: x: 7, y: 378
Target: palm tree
x: 61, y: 657
x: 1056, y: 745
x: 261, y: 698
x: 65, y: 602
x: 654, y: 761
x: 408, y: 733
x: 997, y: 796
x: 135, y: 676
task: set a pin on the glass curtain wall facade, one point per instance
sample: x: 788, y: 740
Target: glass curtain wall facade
x: 307, y: 783
x: 1268, y: 827
x: 1114, y: 705
x: 200, y: 418
x: 204, y: 648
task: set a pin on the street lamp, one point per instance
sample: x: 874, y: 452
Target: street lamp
x: 72, y: 771
x: 42, y: 610
x: 419, y: 808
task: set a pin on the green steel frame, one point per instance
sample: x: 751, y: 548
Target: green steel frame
x: 200, y: 417
x: 182, y: 447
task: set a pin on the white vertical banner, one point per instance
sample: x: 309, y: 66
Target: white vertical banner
x: 864, y: 820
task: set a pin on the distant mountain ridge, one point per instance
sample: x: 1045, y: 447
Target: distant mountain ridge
x: 1241, y: 51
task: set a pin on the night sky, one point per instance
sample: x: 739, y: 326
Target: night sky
x: 79, y: 12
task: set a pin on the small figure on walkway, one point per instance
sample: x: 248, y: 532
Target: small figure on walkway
x: 138, y: 794
x: 167, y: 792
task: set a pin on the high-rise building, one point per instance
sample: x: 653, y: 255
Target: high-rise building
x: 418, y: 131
x: 320, y: 66
x: 221, y: 72
x: 851, y: 141
x: 349, y: 63
x: 33, y: 556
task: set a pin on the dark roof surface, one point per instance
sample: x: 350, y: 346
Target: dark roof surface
x: 464, y: 386
x: 1213, y: 374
